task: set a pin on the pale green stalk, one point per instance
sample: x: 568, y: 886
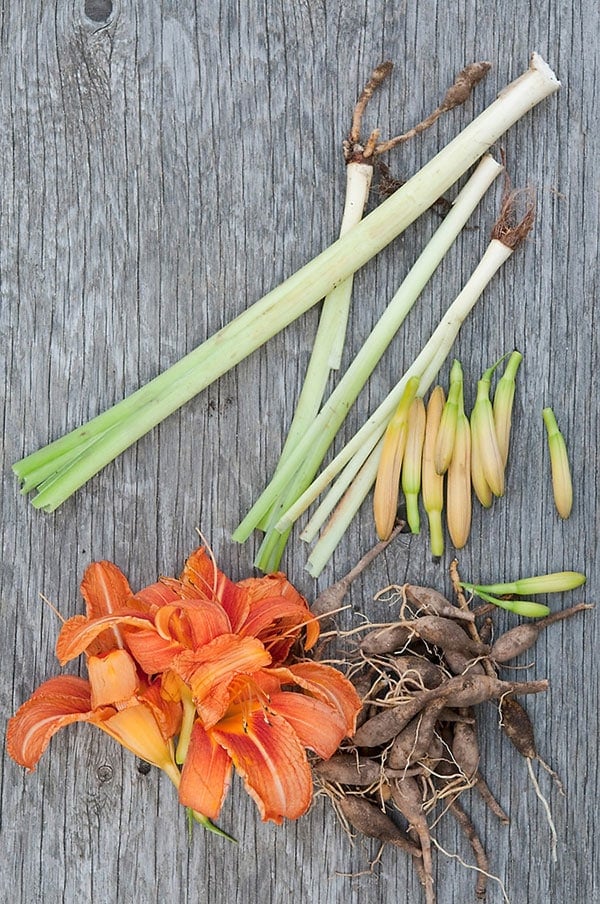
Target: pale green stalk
x: 344, y: 513
x: 122, y: 425
x: 329, y: 340
x: 427, y: 364
x: 310, y: 449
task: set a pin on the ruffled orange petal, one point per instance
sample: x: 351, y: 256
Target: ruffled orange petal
x: 277, y: 621
x: 277, y: 588
x: 152, y: 652
x: 193, y: 622
x: 113, y: 678
x: 272, y: 762
x: 210, y: 671
x: 316, y: 724
x: 166, y: 708
x: 156, y: 595
x: 78, y: 634
x: 201, y: 579
x: 326, y: 684
x: 206, y: 774
x: 56, y: 703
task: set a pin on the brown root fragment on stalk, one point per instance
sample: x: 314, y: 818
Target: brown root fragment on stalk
x: 508, y: 229
x: 456, y: 95
x: 358, y: 151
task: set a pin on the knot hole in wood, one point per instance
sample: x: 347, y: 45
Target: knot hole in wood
x: 98, y: 10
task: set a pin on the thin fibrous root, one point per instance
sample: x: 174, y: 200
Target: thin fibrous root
x: 481, y: 857
x: 546, y: 806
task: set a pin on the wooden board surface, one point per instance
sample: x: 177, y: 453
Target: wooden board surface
x: 163, y: 165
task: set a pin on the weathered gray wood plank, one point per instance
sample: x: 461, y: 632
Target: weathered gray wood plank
x: 164, y: 164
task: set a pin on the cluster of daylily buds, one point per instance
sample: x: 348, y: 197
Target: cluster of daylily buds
x: 425, y: 447
x: 198, y: 675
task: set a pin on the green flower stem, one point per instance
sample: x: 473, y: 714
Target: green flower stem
x: 344, y: 513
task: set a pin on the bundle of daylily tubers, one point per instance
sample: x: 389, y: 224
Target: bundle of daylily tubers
x: 421, y: 679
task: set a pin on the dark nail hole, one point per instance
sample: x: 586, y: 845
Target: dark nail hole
x: 98, y: 10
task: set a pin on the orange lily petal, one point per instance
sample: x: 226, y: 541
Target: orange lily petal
x: 152, y: 652
x: 78, y: 633
x: 167, y: 709
x: 193, y: 622
x: 105, y: 589
x: 113, y: 678
x: 156, y: 595
x: 136, y: 729
x: 317, y: 726
x: 56, y: 703
x: 272, y: 762
x: 274, y: 586
x: 277, y: 621
x: 206, y: 774
x: 210, y: 671
x: 328, y: 685
x: 201, y: 578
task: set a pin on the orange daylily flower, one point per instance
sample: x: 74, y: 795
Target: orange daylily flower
x: 263, y: 734
x: 118, y: 697
x: 203, y: 659
x: 134, y: 722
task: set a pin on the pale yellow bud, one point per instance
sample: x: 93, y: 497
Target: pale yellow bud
x: 387, y: 483
x: 458, y: 486
x: 447, y: 429
x: 503, y: 403
x: 484, y: 431
x: 411, y: 464
x: 562, y: 484
x: 480, y: 484
x: 432, y: 482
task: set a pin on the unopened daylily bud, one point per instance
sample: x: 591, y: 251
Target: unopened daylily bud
x: 480, y: 484
x: 526, y: 608
x: 458, y: 488
x: 447, y: 429
x: 484, y: 431
x: 562, y: 485
x: 387, y: 483
x: 557, y: 582
x: 432, y: 482
x: 411, y: 464
x: 503, y: 403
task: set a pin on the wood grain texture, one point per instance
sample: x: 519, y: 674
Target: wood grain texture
x: 163, y: 165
